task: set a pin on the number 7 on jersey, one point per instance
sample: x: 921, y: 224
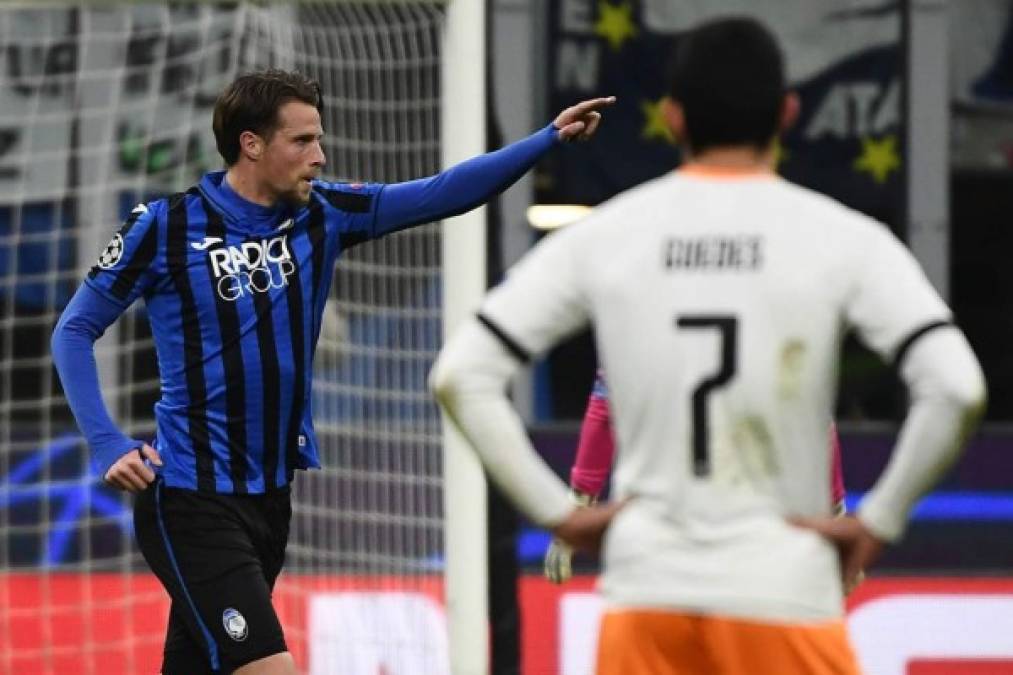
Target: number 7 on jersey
x: 727, y: 326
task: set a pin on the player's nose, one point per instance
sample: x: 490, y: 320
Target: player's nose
x: 319, y: 158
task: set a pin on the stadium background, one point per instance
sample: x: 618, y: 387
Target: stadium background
x: 950, y: 583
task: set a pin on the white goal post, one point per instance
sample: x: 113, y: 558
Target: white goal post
x: 464, y: 278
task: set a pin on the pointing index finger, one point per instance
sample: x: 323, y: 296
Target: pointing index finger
x: 594, y: 103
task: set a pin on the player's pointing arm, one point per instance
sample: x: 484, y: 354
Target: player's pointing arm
x: 474, y: 181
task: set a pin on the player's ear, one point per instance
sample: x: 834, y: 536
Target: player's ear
x: 671, y: 111
x: 790, y: 108
x: 251, y: 145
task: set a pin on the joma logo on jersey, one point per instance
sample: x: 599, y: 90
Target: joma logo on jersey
x: 251, y: 267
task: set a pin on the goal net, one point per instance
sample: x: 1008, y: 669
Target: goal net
x: 106, y: 104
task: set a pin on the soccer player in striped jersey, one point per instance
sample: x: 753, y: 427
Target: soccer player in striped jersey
x: 719, y: 295
x: 235, y: 274
x: 596, y: 451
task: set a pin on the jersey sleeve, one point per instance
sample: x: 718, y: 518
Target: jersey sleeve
x: 353, y: 207
x: 542, y: 300
x: 596, y: 447
x: 892, y: 300
x: 127, y: 266
x: 374, y: 210
x: 539, y: 302
x: 82, y: 322
x: 461, y: 187
x: 896, y: 312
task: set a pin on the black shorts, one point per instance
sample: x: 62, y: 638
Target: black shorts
x: 218, y: 557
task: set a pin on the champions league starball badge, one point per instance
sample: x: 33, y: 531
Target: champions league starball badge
x: 112, y: 253
x: 235, y: 624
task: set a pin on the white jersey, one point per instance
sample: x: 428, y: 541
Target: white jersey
x: 719, y: 305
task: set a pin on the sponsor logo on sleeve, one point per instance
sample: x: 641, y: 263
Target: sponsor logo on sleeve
x: 112, y: 254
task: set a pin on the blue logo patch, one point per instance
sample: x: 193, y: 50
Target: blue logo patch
x: 235, y: 624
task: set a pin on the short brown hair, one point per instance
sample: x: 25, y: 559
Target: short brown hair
x: 251, y: 103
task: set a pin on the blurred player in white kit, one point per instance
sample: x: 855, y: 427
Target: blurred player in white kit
x: 720, y: 295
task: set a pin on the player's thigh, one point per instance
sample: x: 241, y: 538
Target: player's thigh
x: 231, y: 624
x: 183, y: 653
x: 204, y: 557
x: 187, y: 648
x: 638, y: 642
x: 760, y: 648
x: 275, y: 519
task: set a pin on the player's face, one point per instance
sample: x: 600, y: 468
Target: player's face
x: 293, y: 157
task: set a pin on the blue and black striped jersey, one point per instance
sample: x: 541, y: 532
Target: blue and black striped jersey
x: 235, y: 294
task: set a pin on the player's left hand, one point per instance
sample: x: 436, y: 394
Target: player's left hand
x: 584, y: 528
x: 579, y: 122
x: 132, y: 472
x: 856, y: 545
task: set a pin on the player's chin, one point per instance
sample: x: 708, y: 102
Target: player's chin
x: 300, y: 194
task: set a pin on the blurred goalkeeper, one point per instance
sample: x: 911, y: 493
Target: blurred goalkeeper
x: 235, y: 274
x: 595, y: 452
x: 720, y: 295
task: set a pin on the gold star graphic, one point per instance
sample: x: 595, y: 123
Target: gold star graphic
x: 615, y: 23
x: 878, y: 158
x: 654, y: 122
